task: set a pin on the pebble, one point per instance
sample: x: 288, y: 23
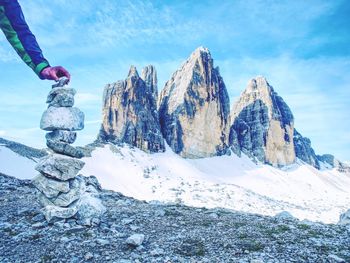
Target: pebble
x: 88, y: 256
x: 103, y: 242
x: 135, y: 239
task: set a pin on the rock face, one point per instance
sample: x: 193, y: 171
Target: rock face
x: 263, y: 125
x: 304, y: 151
x: 130, y: 112
x: 194, y: 108
x: 333, y: 162
x: 61, y: 192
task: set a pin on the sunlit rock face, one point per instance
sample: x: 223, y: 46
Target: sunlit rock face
x: 263, y: 124
x: 194, y: 108
x: 129, y: 113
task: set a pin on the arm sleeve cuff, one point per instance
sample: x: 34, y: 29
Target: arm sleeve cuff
x: 40, y: 67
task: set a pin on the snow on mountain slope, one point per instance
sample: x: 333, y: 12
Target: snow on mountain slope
x: 224, y: 181
x: 16, y: 165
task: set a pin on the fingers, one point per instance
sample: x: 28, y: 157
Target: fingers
x: 61, y: 72
x: 53, y: 75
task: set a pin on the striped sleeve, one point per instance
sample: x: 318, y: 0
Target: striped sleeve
x: 17, y: 32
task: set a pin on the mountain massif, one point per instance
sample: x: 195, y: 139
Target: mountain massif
x: 192, y: 115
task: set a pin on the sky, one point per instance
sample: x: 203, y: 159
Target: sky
x: 301, y: 47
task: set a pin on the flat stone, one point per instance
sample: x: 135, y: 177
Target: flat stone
x: 77, y: 186
x: 62, y: 136
x: 62, y: 118
x: 50, y: 212
x: 63, y: 81
x: 62, y: 101
x: 64, y: 148
x: 61, y: 97
x: 50, y: 187
x: 59, y: 166
x: 43, y: 200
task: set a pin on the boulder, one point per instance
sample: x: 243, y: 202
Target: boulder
x: 263, y: 124
x: 50, y: 187
x: 194, y: 108
x: 62, y: 118
x: 62, y: 136
x: 130, y: 112
x: 59, y: 166
x: 135, y: 240
x: 64, y: 148
x: 89, y: 208
x: 344, y: 218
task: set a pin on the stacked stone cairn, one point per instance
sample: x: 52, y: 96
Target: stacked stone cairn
x: 62, y: 192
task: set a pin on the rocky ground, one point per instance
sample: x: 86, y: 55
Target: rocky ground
x: 135, y: 231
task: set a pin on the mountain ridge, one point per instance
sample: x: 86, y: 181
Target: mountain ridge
x: 196, y: 121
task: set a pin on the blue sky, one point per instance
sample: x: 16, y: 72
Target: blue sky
x: 301, y: 47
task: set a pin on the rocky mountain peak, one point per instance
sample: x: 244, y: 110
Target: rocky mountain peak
x: 258, y: 84
x: 130, y: 111
x: 133, y: 72
x: 194, y: 108
x: 263, y: 124
x: 149, y: 76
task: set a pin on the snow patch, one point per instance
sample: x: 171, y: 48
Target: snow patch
x: 16, y: 165
x: 223, y: 181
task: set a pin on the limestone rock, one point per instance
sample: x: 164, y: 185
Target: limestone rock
x: 63, y: 81
x: 304, y: 151
x: 50, y: 212
x: 64, y: 148
x: 264, y: 124
x: 61, y: 97
x: 62, y: 118
x: 77, y: 188
x: 130, y: 112
x: 334, y: 163
x: 344, y: 218
x: 89, y: 208
x: 43, y: 200
x: 135, y: 240
x: 285, y: 215
x: 59, y: 166
x: 62, y: 136
x: 50, y: 187
x: 194, y: 108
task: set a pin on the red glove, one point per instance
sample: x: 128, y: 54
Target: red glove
x: 54, y: 73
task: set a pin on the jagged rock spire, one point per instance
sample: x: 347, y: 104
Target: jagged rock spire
x: 194, y: 108
x: 263, y: 124
x: 130, y: 113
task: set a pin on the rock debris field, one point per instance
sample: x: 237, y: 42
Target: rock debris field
x: 136, y: 231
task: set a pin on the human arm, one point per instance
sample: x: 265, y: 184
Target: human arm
x: 17, y: 32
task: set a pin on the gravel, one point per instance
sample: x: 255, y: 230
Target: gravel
x: 170, y: 233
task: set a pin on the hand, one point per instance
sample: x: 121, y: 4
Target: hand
x: 54, y: 73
